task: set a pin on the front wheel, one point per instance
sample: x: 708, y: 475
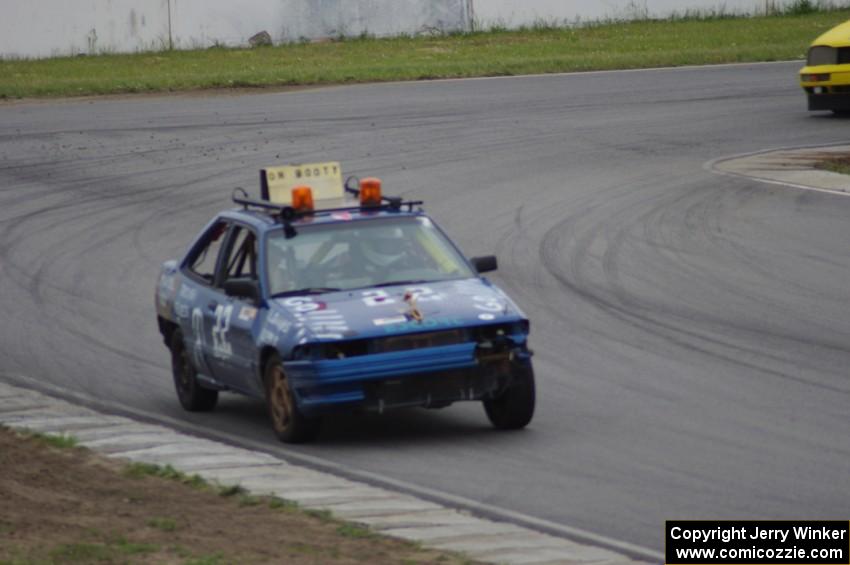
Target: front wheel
x: 192, y: 396
x: 288, y: 423
x: 513, y: 408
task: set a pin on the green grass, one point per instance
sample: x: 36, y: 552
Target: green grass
x: 321, y: 515
x: 281, y: 504
x: 111, y: 552
x: 232, y: 490
x: 139, y: 470
x: 682, y: 40
x: 62, y: 441
x: 125, y: 547
x: 163, y: 524
x: 6, y: 528
x: 246, y: 500
x: 349, y: 530
x: 836, y: 165
x: 81, y: 553
x: 188, y: 557
x: 214, y: 559
x: 59, y: 441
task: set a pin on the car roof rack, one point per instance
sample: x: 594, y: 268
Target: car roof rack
x: 286, y: 214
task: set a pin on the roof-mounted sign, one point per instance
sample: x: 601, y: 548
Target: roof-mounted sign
x: 325, y: 180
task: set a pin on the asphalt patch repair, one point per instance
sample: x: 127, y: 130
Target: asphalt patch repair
x: 70, y: 505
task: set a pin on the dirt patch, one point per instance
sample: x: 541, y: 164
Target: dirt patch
x: 69, y: 505
x: 834, y: 163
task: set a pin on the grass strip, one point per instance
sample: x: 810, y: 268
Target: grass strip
x: 59, y: 441
x: 139, y: 470
x: 538, y: 49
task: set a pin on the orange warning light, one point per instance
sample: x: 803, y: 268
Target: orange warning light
x: 370, y: 192
x: 302, y: 199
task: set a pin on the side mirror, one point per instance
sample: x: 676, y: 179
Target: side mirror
x: 243, y: 288
x: 485, y: 264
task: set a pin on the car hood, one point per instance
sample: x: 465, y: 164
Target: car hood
x: 839, y: 36
x: 397, y: 309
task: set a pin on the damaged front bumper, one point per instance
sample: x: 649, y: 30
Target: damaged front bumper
x: 430, y: 377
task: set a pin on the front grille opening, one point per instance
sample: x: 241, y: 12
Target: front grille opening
x: 344, y: 349
x: 408, y: 342
x: 418, y: 341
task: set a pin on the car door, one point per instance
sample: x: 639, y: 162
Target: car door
x: 202, y: 293
x: 233, y: 346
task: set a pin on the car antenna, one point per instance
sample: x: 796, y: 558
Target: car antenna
x: 285, y: 213
x: 240, y: 196
x: 352, y: 185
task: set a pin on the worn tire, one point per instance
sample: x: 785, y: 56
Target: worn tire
x: 513, y: 408
x: 288, y: 423
x: 192, y: 396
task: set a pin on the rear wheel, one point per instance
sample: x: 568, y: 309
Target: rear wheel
x: 288, y: 423
x: 513, y: 408
x: 193, y: 397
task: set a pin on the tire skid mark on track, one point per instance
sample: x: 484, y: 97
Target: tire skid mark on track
x: 654, y: 318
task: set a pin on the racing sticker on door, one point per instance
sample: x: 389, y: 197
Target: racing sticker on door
x: 324, y: 322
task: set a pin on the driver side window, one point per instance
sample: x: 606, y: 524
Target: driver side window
x: 203, y: 264
x: 242, y: 257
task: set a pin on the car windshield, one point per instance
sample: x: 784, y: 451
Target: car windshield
x: 361, y: 253
x: 822, y: 55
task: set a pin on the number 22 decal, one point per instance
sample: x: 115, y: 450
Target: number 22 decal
x: 198, y: 335
x: 424, y: 293
x: 222, y: 347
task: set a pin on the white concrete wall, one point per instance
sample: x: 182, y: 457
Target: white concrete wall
x: 44, y: 28
x: 329, y: 18
x: 202, y: 23
x: 206, y: 22
x: 512, y: 13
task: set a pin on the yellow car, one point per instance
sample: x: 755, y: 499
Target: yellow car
x: 826, y: 76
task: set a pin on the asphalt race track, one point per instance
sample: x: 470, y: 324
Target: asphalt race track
x: 691, y: 330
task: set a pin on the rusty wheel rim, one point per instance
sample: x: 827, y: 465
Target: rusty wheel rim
x: 281, y: 400
x: 184, y: 377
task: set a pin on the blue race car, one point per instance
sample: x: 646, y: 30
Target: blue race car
x: 357, y: 305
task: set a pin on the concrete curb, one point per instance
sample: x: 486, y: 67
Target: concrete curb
x: 384, y: 511
x: 793, y: 166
